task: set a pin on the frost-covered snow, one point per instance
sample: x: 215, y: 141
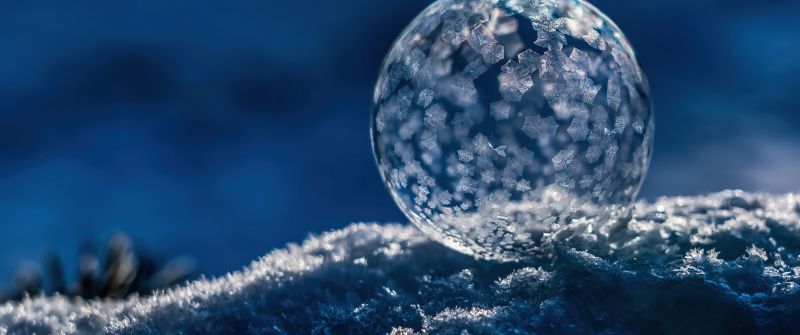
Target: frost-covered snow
x: 726, y: 263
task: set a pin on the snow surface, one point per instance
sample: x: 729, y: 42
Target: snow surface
x: 725, y: 263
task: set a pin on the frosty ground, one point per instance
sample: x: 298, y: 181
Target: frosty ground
x: 726, y: 263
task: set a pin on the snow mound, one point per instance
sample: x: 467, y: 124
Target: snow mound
x: 725, y: 263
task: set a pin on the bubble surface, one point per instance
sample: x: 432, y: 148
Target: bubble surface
x: 495, y: 122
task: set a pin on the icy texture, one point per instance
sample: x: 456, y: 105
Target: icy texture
x: 722, y: 264
x: 489, y: 111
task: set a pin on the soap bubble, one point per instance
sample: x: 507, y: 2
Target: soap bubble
x: 498, y: 121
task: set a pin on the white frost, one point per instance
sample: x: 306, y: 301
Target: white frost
x: 723, y: 263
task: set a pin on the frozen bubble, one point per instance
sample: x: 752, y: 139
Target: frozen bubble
x: 535, y: 112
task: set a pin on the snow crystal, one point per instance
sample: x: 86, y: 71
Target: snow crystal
x: 493, y: 53
x: 435, y: 117
x: 563, y: 159
x: 578, y: 129
x: 614, y: 94
x: 523, y: 185
x: 454, y: 31
x: 413, y: 62
x: 500, y: 110
x: 481, y: 144
x: 464, y: 89
x: 535, y: 126
x: 514, y: 85
x: 429, y: 140
x: 501, y: 150
x: 528, y: 61
x: 475, y: 69
x: 425, y: 97
x: 676, y: 266
x: 505, y: 26
x: 465, y: 156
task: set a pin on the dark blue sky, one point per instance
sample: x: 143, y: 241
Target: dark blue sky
x: 225, y: 129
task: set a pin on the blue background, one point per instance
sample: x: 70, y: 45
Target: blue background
x: 225, y: 129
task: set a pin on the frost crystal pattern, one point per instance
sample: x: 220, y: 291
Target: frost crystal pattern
x: 497, y: 121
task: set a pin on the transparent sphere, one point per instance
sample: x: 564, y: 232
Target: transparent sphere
x: 498, y: 122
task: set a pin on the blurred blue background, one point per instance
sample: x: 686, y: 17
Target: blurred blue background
x: 225, y: 129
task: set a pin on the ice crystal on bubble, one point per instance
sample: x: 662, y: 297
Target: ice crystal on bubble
x: 540, y: 116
